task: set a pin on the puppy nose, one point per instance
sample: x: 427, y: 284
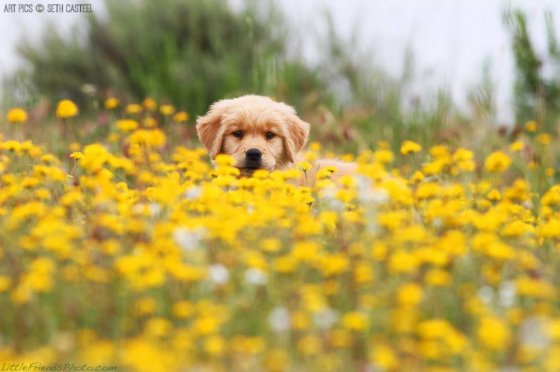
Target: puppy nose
x: 253, y: 154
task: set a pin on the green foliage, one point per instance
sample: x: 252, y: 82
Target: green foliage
x: 194, y: 52
x: 537, y: 80
x: 187, y: 52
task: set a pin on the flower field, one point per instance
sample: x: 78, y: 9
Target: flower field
x: 134, y: 253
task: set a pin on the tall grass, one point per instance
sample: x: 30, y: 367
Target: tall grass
x: 537, y: 82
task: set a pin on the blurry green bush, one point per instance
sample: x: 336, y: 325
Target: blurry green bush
x: 537, y: 80
x: 187, y: 52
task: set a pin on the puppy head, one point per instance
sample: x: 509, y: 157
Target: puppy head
x: 257, y: 131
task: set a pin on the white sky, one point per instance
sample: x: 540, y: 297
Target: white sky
x: 451, y: 39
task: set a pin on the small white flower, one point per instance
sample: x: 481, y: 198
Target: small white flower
x: 218, y: 274
x: 193, y: 193
x: 437, y: 223
x: 279, y: 319
x: 88, y: 89
x: 486, y: 294
x: 506, y: 293
x: 377, y: 196
x: 138, y: 208
x: 188, y: 239
x: 151, y: 209
x: 325, y: 318
x: 533, y: 333
x: 328, y: 195
x: 369, y: 194
x: 255, y: 276
x: 154, y: 209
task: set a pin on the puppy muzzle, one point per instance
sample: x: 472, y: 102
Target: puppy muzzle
x: 253, y: 159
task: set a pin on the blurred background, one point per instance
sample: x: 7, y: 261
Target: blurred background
x: 360, y: 71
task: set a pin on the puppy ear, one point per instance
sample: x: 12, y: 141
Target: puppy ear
x: 209, y: 128
x: 297, y: 133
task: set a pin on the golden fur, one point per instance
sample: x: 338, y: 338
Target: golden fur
x: 233, y: 126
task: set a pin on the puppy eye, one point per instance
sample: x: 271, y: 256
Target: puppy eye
x: 270, y: 135
x: 238, y: 134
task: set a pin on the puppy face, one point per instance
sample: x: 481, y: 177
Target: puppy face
x: 256, y: 131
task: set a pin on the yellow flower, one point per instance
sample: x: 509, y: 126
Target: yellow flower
x: 494, y: 195
x: 270, y: 245
x: 409, y: 295
x: 127, y: 125
x: 333, y: 264
x: 315, y: 146
x: 403, y: 262
x: 385, y: 357
x: 438, y: 278
x: 181, y: 117
x: 391, y: 220
x: 76, y: 155
x: 517, y: 228
x: 224, y: 160
x: 531, y: 287
x: 355, y: 321
x: 463, y: 159
x: 497, y: 162
x: 16, y: 115
x: 133, y: 108
x: 428, y: 190
x: 384, y: 156
x: 440, y: 151
x: 531, y: 126
x: 75, y: 146
x: 517, y: 146
x: 150, y: 122
x: 310, y: 345
x: 493, y: 333
x: 207, y: 324
x: 306, y: 251
x: 462, y: 154
x: 150, y: 104
x: 550, y: 229
x: 417, y: 177
x: 112, y: 103
x: 66, y: 109
x: 214, y: 345
x: 304, y: 166
x: 157, y: 327
x: 182, y: 309
x: 434, y: 329
x: 149, y: 138
x: 433, y: 168
x: 409, y: 147
x: 144, y: 306
x: 552, y: 196
x: 167, y: 110
x: 544, y: 139
x: 363, y: 273
x: 325, y: 172
x: 553, y: 329
x: 5, y: 283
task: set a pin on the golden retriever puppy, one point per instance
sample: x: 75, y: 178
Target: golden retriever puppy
x: 259, y: 133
